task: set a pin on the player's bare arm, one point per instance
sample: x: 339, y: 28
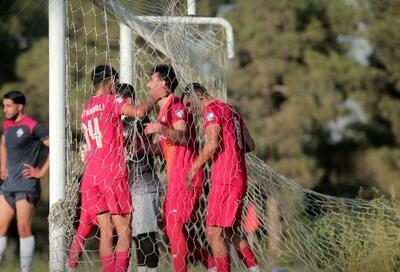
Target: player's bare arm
x: 178, y: 134
x: 3, y: 159
x: 37, y: 172
x: 212, y: 134
x: 249, y: 144
x: 140, y: 111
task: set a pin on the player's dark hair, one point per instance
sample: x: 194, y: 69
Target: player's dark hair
x: 16, y: 96
x: 183, y: 95
x: 195, y: 87
x: 102, y: 73
x: 166, y: 73
x: 125, y: 90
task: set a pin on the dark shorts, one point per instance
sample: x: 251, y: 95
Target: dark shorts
x: 13, y: 197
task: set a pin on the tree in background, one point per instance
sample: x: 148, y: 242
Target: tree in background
x: 380, y: 164
x: 320, y: 115
x: 24, y: 53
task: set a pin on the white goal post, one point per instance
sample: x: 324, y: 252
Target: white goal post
x: 57, y: 100
x: 57, y: 87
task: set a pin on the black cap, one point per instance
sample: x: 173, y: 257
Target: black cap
x: 103, y: 72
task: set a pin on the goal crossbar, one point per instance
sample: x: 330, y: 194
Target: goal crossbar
x: 195, y: 20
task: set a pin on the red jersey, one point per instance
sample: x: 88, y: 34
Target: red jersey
x: 179, y: 157
x: 103, y: 129
x: 228, y: 162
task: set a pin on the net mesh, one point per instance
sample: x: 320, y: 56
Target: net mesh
x: 285, y: 224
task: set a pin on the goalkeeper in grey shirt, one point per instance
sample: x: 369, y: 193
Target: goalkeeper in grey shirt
x: 145, y: 187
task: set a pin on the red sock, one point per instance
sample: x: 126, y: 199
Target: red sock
x: 121, y: 263
x: 247, y: 256
x: 76, y: 246
x: 177, y: 240
x: 108, y: 263
x: 223, y: 264
x: 75, y: 251
x: 211, y: 261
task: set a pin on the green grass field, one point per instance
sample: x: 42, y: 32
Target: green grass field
x: 11, y: 260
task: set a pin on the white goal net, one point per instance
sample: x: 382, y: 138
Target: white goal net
x: 286, y: 225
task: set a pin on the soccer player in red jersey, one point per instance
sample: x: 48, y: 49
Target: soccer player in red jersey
x: 177, y: 137
x: 227, y: 141
x: 105, y: 195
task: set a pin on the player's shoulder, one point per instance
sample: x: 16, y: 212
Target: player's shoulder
x: 176, y: 102
x: 217, y: 109
x: 27, y: 121
x: 103, y: 98
x: 214, y: 106
x: 90, y: 102
x: 7, y: 124
x: 31, y: 123
x: 211, y: 112
x: 117, y: 99
x: 116, y: 102
x: 110, y: 99
x: 103, y: 101
x: 225, y: 108
x: 30, y: 119
x: 177, y: 107
x: 222, y: 104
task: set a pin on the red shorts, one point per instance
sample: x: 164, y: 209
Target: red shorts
x: 225, y: 205
x: 106, y: 196
x: 180, y: 204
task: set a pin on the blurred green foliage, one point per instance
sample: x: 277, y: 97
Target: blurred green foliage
x: 319, y: 112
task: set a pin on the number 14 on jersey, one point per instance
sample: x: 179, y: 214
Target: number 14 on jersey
x: 92, y: 132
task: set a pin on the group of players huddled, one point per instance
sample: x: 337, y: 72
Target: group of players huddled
x: 119, y: 188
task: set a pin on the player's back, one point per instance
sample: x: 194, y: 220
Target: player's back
x: 103, y: 129
x: 229, y: 165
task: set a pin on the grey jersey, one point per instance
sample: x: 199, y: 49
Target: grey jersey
x: 142, y: 177
x: 23, y: 141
